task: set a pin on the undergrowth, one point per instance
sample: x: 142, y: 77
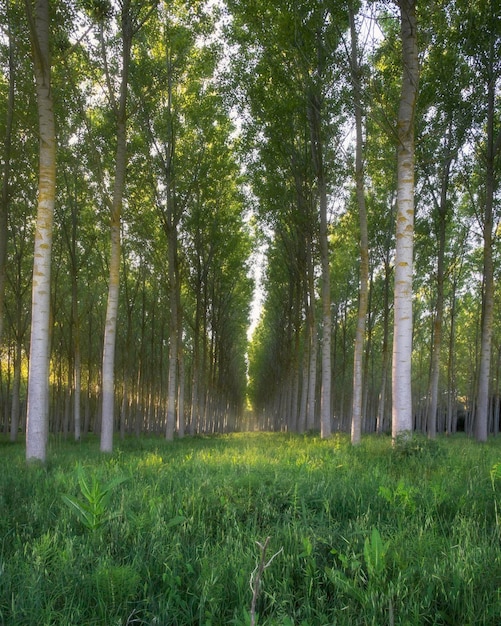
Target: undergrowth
x: 168, y: 533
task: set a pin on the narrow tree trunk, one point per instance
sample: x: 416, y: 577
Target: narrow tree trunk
x: 356, y: 415
x: 170, y: 225
x: 75, y: 323
x: 481, y: 418
x: 4, y: 195
x: 402, y: 336
x: 439, y: 306
x: 180, y: 394
x: 325, y: 398
x: 16, y: 388
x: 315, y: 116
x: 311, y: 322
x: 110, y: 331
x: 38, y: 375
x: 301, y: 423
x: 368, y: 423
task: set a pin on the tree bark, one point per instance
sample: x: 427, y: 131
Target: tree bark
x: 4, y: 195
x: 356, y: 415
x: 38, y: 375
x: 385, y: 354
x: 439, y: 306
x: 402, y: 337
x: 170, y: 225
x: 312, y: 347
x: 314, y: 115
x: 482, y: 412
x: 110, y: 331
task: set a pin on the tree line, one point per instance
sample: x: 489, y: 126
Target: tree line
x: 149, y: 149
x: 411, y: 139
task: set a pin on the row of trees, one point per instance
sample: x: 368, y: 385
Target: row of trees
x: 189, y: 137
x: 150, y: 255
x: 385, y: 153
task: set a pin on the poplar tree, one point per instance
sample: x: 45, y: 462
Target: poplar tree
x: 38, y: 376
x: 363, y: 297
x: 6, y: 166
x: 402, y: 417
x: 120, y: 111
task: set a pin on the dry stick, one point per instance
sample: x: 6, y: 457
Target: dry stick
x: 255, y: 579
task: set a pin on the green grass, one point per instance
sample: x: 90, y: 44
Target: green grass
x: 165, y: 533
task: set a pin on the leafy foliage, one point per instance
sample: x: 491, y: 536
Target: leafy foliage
x: 93, y: 509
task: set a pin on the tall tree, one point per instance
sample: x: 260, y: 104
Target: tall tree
x: 38, y: 376
x: 110, y: 330
x: 316, y: 114
x: 445, y: 117
x: 486, y: 58
x: 402, y: 337
x: 6, y: 169
x: 363, y: 298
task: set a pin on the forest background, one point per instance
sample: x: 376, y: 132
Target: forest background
x: 225, y: 144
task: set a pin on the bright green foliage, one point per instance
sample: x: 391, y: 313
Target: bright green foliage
x: 230, y: 181
x: 363, y: 577
x: 93, y: 509
x: 365, y: 533
x: 495, y: 475
x: 375, y: 555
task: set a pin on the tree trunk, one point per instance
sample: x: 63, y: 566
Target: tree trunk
x: 314, y: 115
x: 4, y: 197
x: 356, y: 415
x: 16, y: 387
x: 180, y: 394
x: 311, y: 381
x: 110, y: 331
x: 402, y: 336
x: 451, y: 366
x: 481, y: 418
x: 38, y: 375
x: 170, y: 226
x: 439, y: 306
x: 75, y: 323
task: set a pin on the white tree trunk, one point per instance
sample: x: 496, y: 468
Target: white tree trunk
x: 315, y: 121
x: 110, y: 330
x: 108, y: 369
x: 484, y: 373
x: 402, y: 421
x: 38, y: 375
x: 356, y: 414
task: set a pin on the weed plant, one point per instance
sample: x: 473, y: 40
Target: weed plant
x: 166, y: 533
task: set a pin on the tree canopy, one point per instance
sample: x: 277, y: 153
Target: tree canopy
x: 195, y: 141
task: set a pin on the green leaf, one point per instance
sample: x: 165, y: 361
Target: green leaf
x: 93, y: 511
x: 83, y: 512
x: 496, y: 471
x: 375, y: 554
x: 345, y: 584
x: 176, y: 521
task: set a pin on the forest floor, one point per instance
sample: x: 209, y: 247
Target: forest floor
x: 170, y: 533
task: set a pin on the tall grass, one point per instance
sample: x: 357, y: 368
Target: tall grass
x: 369, y: 535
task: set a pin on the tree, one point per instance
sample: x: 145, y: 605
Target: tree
x: 445, y: 116
x: 120, y: 113
x: 293, y: 53
x: 38, y: 376
x: 402, y: 337
x: 130, y: 22
x: 486, y: 59
x: 356, y: 419
x: 6, y: 169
